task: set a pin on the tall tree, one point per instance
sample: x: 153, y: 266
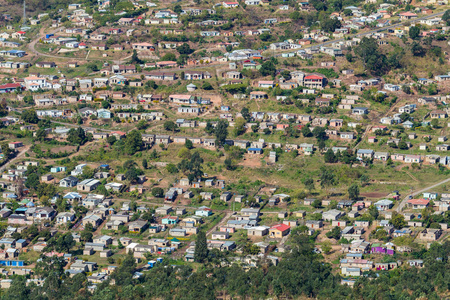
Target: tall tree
x: 309, y: 184
x: 327, y: 178
x: 330, y: 157
x: 246, y: 114
x: 414, y: 32
x: 77, y: 136
x: 201, y: 247
x: 353, y: 192
x: 133, y: 142
x: 221, y: 132
x: 373, y: 60
x: 30, y: 116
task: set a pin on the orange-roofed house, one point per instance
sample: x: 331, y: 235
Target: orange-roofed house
x: 418, y: 203
x: 278, y: 231
x: 407, y: 15
x: 162, y: 64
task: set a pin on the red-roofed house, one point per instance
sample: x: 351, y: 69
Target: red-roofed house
x: 280, y: 230
x: 314, y: 81
x: 10, y: 87
x: 15, y: 145
x: 418, y: 203
x: 379, y: 127
x: 230, y: 4
x: 118, y: 134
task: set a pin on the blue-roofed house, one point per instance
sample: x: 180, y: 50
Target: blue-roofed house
x: 442, y: 77
x: 254, y: 151
x: 73, y: 196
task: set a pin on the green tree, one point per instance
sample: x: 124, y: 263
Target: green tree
x: 373, y: 60
x: 144, y: 164
x: 201, y: 247
x: 246, y: 114
x: 32, y: 181
x: 86, y: 236
x: 157, y: 192
x: 327, y: 178
x: 319, y: 133
x: 30, y: 116
x: 330, y: 157
x: 268, y: 68
x: 65, y: 242
x: 141, y: 125
x: 326, y: 247
x: 228, y: 164
x: 353, y: 192
x: 417, y: 49
x: 209, y: 129
x: 184, y: 49
x: 207, y: 86
x: 334, y: 233
x: 77, y: 136
x: 135, y: 58
x: 309, y: 184
x: 316, y: 203
x: 133, y: 142
x: 170, y: 126
x: 41, y: 134
x: 239, y: 127
x: 132, y: 175
x: 124, y: 273
x: 435, y: 123
x: 330, y: 24
x: 188, y: 144
x: 398, y: 221
x: 221, y: 132
x: 446, y: 17
x: 169, y: 57
x: 171, y: 168
x: 414, y: 32
x: 306, y: 132
x: 402, y: 145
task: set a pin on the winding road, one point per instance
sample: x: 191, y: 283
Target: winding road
x: 403, y: 203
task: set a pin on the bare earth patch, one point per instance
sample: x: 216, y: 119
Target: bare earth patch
x: 251, y: 161
x: 374, y: 195
x: 63, y: 148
